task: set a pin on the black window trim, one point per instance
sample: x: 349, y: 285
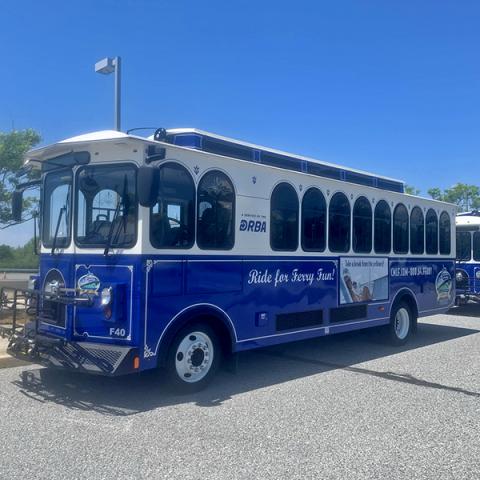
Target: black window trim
x: 476, y: 258
x: 410, y: 229
x: 234, y: 210
x: 308, y: 189
x: 428, y: 210
x: 332, y: 194
x: 75, y: 195
x: 277, y: 184
x: 372, y: 219
x: 71, y: 205
x: 390, y: 213
x: 444, y: 212
x: 407, y: 251
x: 150, y: 210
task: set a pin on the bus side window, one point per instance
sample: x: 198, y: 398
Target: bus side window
x: 172, y: 218
x: 431, y: 225
x: 464, y: 246
x: 445, y: 232
x: 400, y: 229
x: 215, y: 212
x: 476, y: 246
x: 284, y: 218
x: 383, y: 227
x: 314, y: 221
x: 339, y: 223
x: 417, y: 231
x: 362, y: 226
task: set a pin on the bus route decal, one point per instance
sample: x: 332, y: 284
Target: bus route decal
x: 279, y: 277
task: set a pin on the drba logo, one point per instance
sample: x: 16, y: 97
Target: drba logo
x: 253, y: 226
x: 88, y: 283
x: 443, y: 285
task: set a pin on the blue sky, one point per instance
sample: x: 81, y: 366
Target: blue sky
x: 391, y: 87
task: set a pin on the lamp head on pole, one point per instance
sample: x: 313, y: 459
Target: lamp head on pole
x: 105, y: 66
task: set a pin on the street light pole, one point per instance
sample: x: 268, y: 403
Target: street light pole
x: 105, y: 67
x: 118, y: 83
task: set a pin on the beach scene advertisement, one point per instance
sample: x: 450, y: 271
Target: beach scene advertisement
x: 363, y: 279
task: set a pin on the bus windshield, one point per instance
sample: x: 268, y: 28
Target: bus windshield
x: 106, y: 210
x: 56, y: 209
x: 464, y: 246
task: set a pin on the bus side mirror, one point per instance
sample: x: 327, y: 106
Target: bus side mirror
x: 17, y: 205
x: 148, y: 180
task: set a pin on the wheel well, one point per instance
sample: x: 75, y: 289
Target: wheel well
x: 409, y: 299
x: 212, y: 319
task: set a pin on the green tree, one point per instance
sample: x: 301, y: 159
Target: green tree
x: 411, y: 190
x: 467, y: 197
x: 6, y: 255
x: 18, y: 257
x: 13, y: 146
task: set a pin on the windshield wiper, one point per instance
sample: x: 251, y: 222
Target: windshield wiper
x: 126, y: 207
x: 112, y: 227
x: 57, y: 228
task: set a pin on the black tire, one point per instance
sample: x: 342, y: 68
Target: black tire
x: 402, y: 324
x: 190, y: 366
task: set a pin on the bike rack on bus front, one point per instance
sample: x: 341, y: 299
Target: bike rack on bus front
x: 16, y: 301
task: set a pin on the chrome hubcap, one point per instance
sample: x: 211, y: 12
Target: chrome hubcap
x: 402, y: 323
x: 194, y: 357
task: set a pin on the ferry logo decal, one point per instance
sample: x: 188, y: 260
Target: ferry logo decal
x: 88, y: 283
x: 443, y: 285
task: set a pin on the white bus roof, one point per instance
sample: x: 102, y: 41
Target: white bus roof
x: 201, y: 140
x: 468, y: 219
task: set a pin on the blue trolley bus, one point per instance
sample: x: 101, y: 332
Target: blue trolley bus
x: 186, y: 247
x: 468, y: 257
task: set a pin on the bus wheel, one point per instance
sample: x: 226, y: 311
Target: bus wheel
x: 193, y: 358
x: 401, y: 324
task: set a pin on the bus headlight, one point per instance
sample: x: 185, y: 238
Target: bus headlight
x: 107, y: 297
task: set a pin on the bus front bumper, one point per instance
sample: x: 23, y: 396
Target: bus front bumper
x: 86, y: 357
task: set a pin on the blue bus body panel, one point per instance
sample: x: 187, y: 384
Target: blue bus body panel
x: 260, y: 299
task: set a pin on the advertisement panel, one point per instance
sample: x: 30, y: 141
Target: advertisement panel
x: 363, y: 279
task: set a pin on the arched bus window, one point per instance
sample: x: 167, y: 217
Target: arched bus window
x: 431, y: 232
x: 400, y: 229
x: 445, y: 232
x: 284, y: 218
x: 464, y: 246
x: 339, y: 223
x: 362, y: 226
x: 476, y: 246
x: 417, y: 231
x: 314, y: 221
x: 383, y: 227
x: 215, y: 212
x: 172, y: 219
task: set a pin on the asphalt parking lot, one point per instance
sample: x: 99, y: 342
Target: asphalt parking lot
x: 343, y: 407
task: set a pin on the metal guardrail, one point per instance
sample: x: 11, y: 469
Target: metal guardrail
x: 19, y: 270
